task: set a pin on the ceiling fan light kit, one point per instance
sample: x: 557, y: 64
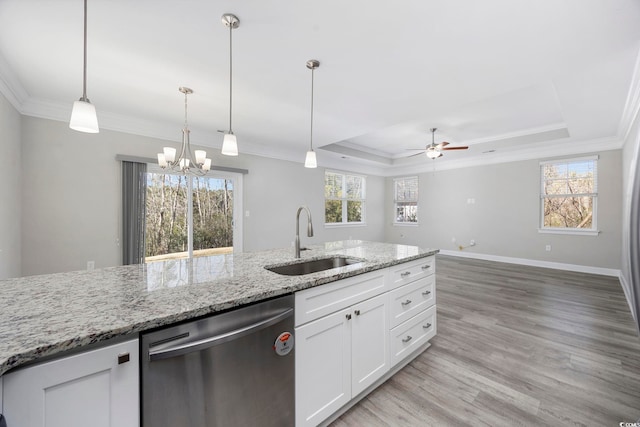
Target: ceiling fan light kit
x: 310, y: 160
x: 83, y: 114
x: 433, y: 151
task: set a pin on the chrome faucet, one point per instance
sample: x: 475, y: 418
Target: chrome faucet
x: 309, y: 228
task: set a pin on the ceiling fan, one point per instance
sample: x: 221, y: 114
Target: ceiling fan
x: 434, y: 150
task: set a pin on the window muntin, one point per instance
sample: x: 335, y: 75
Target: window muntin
x: 344, y: 198
x: 406, y: 200
x: 569, y: 193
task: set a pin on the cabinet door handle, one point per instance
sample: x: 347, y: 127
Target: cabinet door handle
x: 123, y: 358
x: 407, y: 339
x: 425, y: 293
x: 357, y: 312
x: 348, y: 316
x: 407, y: 302
x: 426, y: 266
x: 405, y: 274
x: 427, y: 326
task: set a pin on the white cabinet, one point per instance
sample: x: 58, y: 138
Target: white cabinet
x: 340, y: 354
x: 323, y: 367
x: 350, y: 334
x: 98, y: 388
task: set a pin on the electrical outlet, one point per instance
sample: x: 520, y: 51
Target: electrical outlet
x: 91, y: 265
x: 547, y: 248
x: 472, y: 242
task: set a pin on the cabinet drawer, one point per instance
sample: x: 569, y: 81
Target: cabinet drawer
x: 408, y: 272
x: 408, y: 300
x: 412, y: 334
x: 316, y: 302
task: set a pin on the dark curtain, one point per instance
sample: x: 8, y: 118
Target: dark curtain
x: 134, y: 189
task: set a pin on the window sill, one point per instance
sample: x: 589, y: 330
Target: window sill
x: 406, y: 224
x: 344, y: 224
x: 574, y: 232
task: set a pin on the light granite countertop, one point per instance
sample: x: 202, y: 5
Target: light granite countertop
x: 41, y: 316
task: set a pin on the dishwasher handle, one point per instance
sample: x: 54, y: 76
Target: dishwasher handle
x: 189, y: 347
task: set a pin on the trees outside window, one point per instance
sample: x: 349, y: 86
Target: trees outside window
x: 406, y: 200
x: 344, y: 198
x: 167, y: 218
x: 569, y: 194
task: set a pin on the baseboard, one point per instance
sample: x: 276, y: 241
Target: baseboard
x: 536, y: 263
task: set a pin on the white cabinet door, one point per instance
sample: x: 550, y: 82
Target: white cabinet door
x: 323, y: 367
x: 86, y: 389
x: 369, y: 346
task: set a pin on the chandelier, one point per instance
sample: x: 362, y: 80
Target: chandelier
x: 185, y: 162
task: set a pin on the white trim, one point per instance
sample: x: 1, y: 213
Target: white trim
x: 405, y: 224
x: 569, y: 160
x: 344, y: 224
x: 572, y: 231
x: 536, y: 263
x: 625, y: 285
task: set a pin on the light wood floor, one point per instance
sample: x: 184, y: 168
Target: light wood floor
x: 516, y: 346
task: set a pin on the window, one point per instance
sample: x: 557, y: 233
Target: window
x: 208, y: 227
x: 569, y: 192
x: 406, y: 200
x: 344, y: 196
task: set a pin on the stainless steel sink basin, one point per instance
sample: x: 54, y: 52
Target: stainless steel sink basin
x: 313, y: 266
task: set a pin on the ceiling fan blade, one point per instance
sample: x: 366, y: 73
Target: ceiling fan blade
x: 415, y: 149
x: 441, y: 145
x: 454, y: 148
x: 417, y: 154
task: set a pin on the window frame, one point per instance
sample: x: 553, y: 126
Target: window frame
x: 396, y: 201
x: 344, y: 199
x: 593, y: 231
x: 236, y: 178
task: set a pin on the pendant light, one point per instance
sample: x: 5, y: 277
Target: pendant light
x: 310, y: 161
x: 185, y: 162
x: 229, y: 143
x: 83, y: 115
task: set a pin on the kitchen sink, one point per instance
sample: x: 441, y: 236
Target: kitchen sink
x: 313, y: 266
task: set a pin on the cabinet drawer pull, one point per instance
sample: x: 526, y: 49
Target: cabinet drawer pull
x: 123, y: 358
x: 427, y: 326
x: 425, y: 293
x: 357, y: 312
x: 405, y: 274
x: 407, y: 302
x: 348, y: 316
x: 407, y: 339
x: 426, y: 267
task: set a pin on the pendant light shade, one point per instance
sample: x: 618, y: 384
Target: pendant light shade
x: 83, y: 115
x: 310, y: 161
x: 230, y: 143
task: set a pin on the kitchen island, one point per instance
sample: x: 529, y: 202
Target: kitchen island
x: 50, y: 315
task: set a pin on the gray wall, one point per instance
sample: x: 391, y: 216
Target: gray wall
x: 504, y: 219
x: 71, y: 197
x: 630, y: 168
x: 10, y: 205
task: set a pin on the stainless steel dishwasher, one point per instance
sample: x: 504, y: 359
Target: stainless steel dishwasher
x: 230, y: 369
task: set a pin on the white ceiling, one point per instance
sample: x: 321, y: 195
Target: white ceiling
x: 511, y: 79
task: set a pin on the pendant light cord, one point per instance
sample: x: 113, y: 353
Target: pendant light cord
x: 311, y: 138
x: 230, y: 74
x: 84, y: 69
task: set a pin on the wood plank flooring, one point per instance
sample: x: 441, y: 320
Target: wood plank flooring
x: 516, y: 345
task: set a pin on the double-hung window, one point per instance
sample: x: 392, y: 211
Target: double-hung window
x: 344, y: 198
x: 569, y: 195
x: 406, y: 200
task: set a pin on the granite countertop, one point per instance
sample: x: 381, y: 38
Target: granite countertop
x: 49, y: 314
